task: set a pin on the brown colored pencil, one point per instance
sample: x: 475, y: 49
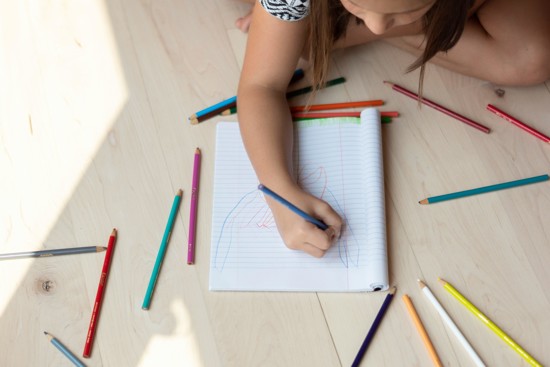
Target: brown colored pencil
x: 315, y: 115
x: 440, y: 108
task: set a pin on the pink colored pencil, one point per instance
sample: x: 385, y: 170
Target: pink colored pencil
x: 518, y: 123
x: 99, y: 295
x: 442, y: 109
x: 193, y: 210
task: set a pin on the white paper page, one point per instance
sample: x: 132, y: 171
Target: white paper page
x: 332, y: 157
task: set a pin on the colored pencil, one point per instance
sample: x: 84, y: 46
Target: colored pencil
x: 438, y: 107
x: 63, y: 349
x: 193, y: 209
x: 441, y: 311
x: 374, y: 327
x: 49, y: 253
x: 229, y: 103
x: 336, y: 106
x: 162, y: 251
x: 518, y: 123
x: 485, y: 189
x: 99, y: 295
x: 491, y: 325
x: 292, y: 207
x: 421, y: 330
x: 316, y: 115
x: 305, y: 90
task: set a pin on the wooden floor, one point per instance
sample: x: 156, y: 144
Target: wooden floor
x: 94, y: 99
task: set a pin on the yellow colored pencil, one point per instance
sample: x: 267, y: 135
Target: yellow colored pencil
x: 473, y: 309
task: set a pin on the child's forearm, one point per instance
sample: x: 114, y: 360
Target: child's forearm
x: 267, y: 133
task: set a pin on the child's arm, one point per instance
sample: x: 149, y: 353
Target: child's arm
x: 273, y: 50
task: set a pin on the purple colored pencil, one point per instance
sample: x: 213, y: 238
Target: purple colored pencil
x: 193, y: 210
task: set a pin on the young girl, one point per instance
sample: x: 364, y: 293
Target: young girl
x: 502, y: 41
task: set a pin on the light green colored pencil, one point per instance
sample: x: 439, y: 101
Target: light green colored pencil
x: 162, y: 251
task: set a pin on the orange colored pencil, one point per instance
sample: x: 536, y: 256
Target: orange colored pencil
x: 422, y: 331
x: 335, y: 106
x: 318, y: 115
x: 99, y: 296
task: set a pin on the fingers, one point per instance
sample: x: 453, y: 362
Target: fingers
x: 313, y: 240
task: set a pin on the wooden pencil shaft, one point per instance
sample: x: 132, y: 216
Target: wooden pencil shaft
x: 518, y: 123
x: 490, y: 188
x: 421, y: 330
x: 485, y: 320
x: 48, y: 253
x: 450, y: 323
x: 334, y: 106
x: 63, y: 349
x: 440, y: 108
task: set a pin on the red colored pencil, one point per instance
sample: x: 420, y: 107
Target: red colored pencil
x: 317, y: 115
x: 518, y: 123
x: 440, y: 108
x: 335, y: 106
x: 99, y: 296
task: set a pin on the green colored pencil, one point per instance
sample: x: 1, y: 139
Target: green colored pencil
x: 162, y: 251
x: 482, y: 190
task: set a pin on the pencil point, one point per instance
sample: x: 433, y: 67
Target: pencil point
x: 194, y: 121
x: 179, y: 193
x: 45, y: 333
x: 114, y: 232
x: 421, y: 283
x: 197, y: 151
x: 393, y: 290
x: 423, y: 202
x: 100, y: 248
x: 441, y: 281
x: 389, y: 83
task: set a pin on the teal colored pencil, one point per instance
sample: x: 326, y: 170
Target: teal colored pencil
x: 162, y: 251
x: 482, y: 190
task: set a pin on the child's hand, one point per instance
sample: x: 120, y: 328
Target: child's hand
x: 298, y: 233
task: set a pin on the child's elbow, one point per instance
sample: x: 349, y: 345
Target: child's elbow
x: 530, y: 68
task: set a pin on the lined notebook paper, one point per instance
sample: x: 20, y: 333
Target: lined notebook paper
x: 338, y: 160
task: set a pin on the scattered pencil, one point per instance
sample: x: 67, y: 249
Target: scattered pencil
x: 305, y: 90
x: 316, y: 115
x: 491, y: 325
x: 63, y: 349
x: 193, y: 208
x: 422, y: 331
x: 518, y: 123
x: 440, y: 108
x: 485, y: 189
x: 99, y: 295
x: 374, y: 327
x: 49, y: 253
x: 228, y: 104
x: 441, y: 311
x: 335, y: 106
x: 162, y: 251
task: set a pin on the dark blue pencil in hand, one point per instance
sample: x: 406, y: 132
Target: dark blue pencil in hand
x: 292, y: 207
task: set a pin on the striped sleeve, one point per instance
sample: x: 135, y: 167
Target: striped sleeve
x: 289, y: 10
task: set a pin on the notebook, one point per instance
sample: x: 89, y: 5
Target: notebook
x: 338, y: 160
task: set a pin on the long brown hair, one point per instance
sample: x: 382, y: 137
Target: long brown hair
x: 443, y: 25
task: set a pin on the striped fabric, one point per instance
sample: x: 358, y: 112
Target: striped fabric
x: 289, y: 10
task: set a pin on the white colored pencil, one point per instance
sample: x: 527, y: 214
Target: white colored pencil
x: 478, y: 362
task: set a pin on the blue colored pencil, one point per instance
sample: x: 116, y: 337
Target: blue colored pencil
x: 162, y: 251
x: 482, y: 190
x: 373, y: 328
x: 64, y: 350
x: 292, y: 207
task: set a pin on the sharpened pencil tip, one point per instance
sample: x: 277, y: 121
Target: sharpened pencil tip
x: 441, y: 281
x: 423, y: 201
x: 393, y: 290
x: 197, y: 150
x: 421, y: 283
x: 179, y: 193
x: 114, y: 232
x: 45, y: 333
